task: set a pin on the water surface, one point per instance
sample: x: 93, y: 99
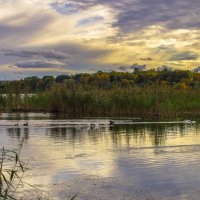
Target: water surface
x: 132, y: 160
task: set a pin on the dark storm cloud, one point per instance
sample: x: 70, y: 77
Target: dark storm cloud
x: 172, y: 13
x: 66, y: 56
x: 50, y: 54
x: 137, y: 14
x: 82, y: 57
x: 38, y: 64
x: 188, y: 55
x: 37, y: 37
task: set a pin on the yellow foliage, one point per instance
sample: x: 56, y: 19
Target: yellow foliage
x: 183, y: 86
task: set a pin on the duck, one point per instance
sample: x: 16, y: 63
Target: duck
x: 111, y: 123
x: 26, y: 124
x: 189, y: 122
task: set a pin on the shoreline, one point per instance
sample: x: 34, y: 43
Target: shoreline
x: 147, y: 116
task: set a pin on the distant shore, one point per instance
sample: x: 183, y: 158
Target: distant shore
x: 147, y: 94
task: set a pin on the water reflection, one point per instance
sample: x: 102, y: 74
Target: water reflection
x: 128, y: 135
x: 119, y: 137
x: 154, y: 134
x: 18, y: 133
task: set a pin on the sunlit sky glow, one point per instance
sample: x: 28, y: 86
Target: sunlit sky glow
x: 52, y: 37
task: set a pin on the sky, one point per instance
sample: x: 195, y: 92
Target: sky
x: 53, y: 37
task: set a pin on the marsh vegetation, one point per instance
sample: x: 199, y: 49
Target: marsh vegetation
x: 155, y: 93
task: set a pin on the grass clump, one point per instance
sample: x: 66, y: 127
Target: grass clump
x: 12, y: 170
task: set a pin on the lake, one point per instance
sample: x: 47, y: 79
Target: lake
x: 133, y: 160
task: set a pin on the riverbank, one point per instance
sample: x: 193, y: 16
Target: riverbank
x: 146, y: 117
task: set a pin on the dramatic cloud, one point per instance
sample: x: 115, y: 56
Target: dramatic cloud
x: 45, y: 36
x: 52, y: 54
x: 39, y: 64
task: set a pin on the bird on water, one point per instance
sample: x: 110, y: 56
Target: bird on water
x: 26, y: 124
x: 111, y: 123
